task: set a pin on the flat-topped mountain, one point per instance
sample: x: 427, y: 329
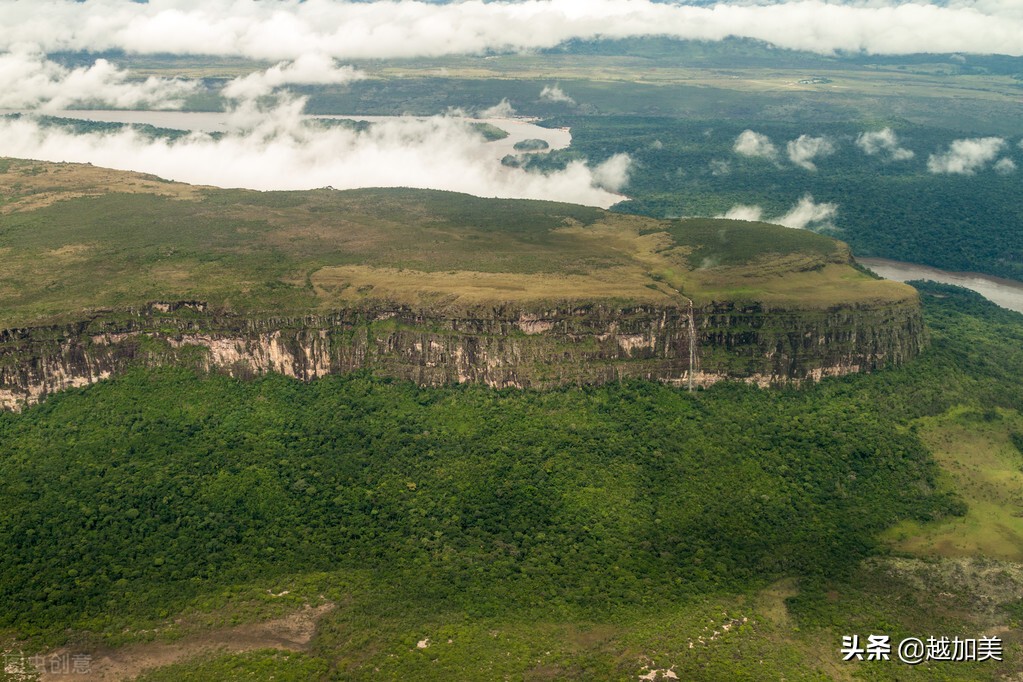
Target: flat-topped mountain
x: 105, y: 268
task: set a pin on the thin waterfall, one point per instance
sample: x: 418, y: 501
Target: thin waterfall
x: 692, y: 345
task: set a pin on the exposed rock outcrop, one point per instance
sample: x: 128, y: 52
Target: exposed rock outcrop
x: 498, y: 346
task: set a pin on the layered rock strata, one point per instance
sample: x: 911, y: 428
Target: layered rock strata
x: 501, y: 346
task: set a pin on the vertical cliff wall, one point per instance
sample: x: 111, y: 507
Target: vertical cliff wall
x: 772, y: 346
x: 499, y: 346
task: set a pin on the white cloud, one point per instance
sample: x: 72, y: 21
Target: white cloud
x: 613, y: 174
x: 30, y: 81
x: 883, y: 142
x: 807, y: 214
x: 279, y: 150
x: 502, y: 109
x: 1004, y: 166
x: 273, y: 146
x: 751, y: 143
x: 804, y: 149
x: 554, y: 93
x: 308, y: 69
x: 967, y: 156
x: 286, y: 29
x: 743, y: 212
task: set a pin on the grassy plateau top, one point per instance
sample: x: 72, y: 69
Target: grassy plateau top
x: 76, y: 239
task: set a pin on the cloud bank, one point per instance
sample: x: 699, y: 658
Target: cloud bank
x: 286, y: 29
x: 270, y: 145
x: 30, y: 81
x: 883, y: 143
x: 280, y: 150
x: 967, y: 156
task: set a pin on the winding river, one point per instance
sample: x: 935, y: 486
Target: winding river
x: 1004, y: 292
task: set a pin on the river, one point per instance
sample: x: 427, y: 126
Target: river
x: 1004, y: 292
x: 518, y: 129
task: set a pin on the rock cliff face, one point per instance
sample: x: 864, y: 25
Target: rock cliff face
x: 498, y: 346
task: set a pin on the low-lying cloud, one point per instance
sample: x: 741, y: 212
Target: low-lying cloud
x: 884, y: 143
x: 743, y: 212
x: 502, y: 109
x: 719, y: 167
x: 754, y: 144
x: 804, y: 149
x: 554, y: 93
x: 30, y: 81
x: 613, y: 174
x: 271, y: 145
x: 1005, y: 166
x: 308, y: 69
x: 286, y: 29
x: 808, y: 214
x: 281, y: 150
x: 967, y: 156
x: 805, y: 214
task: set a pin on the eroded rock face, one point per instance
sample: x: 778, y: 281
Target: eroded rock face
x: 499, y: 346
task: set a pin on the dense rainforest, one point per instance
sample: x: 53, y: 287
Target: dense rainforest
x: 132, y: 499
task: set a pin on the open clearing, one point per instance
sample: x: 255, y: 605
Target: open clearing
x: 290, y: 633
x: 980, y: 462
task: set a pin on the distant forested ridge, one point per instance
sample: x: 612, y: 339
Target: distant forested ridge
x: 887, y: 208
